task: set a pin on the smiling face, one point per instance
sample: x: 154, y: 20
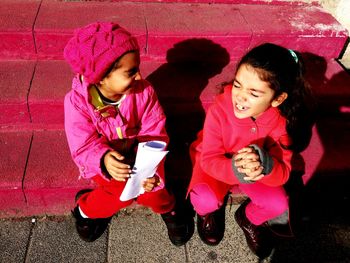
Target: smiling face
x: 250, y: 95
x: 121, y: 79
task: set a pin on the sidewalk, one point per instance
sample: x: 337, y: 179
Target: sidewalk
x: 140, y: 236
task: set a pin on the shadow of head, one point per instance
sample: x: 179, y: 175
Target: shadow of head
x: 179, y: 84
x: 203, y: 54
x: 180, y: 81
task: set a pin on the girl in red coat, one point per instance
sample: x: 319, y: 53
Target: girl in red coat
x: 248, y: 139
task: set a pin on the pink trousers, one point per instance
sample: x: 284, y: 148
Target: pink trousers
x: 266, y: 202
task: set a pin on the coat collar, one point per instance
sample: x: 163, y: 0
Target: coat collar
x: 90, y: 92
x: 100, y: 108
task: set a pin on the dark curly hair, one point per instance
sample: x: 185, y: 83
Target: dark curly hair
x: 284, y: 70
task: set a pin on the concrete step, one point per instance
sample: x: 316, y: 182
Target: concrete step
x: 33, y: 91
x: 188, y: 49
x: 38, y: 175
x: 43, y: 28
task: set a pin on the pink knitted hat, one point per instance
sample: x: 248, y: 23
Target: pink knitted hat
x: 94, y: 48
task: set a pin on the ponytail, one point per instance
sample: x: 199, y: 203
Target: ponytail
x: 299, y: 110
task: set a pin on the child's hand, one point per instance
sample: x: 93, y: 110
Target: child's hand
x: 248, y: 162
x: 150, y: 183
x: 253, y: 174
x: 115, y: 167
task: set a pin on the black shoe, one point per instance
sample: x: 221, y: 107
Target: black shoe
x: 180, y: 227
x: 211, y: 227
x: 259, y: 238
x: 281, y: 226
x: 89, y: 229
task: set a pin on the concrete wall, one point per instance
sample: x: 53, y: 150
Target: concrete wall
x: 340, y: 9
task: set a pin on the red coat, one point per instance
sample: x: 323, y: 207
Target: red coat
x: 224, y: 134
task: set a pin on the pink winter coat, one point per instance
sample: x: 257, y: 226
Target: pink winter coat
x: 224, y: 134
x: 92, y: 132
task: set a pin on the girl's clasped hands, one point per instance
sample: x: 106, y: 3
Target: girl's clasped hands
x: 248, y: 162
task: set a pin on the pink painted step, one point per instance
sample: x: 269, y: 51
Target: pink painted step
x: 32, y: 94
x: 52, y: 30
x: 156, y: 34
x: 16, y: 28
x: 242, y: 27
x: 47, y: 82
x: 297, y: 27
x: 51, y: 82
x: 234, y: 26
x: 14, y: 87
x: 50, y: 177
x: 246, y: 2
x: 181, y: 90
x: 14, y: 149
x: 50, y: 180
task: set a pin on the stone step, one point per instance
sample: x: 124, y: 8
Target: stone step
x: 33, y: 91
x: 42, y: 28
x: 38, y: 174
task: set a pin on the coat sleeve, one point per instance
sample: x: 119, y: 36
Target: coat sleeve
x: 153, y: 125
x: 153, y: 118
x: 86, y: 146
x: 213, y: 159
x: 281, y: 157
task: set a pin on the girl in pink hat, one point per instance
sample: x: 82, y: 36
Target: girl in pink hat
x: 249, y: 136
x: 109, y: 110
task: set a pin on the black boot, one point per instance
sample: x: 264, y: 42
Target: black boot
x: 281, y: 226
x: 180, y: 226
x: 211, y: 227
x: 88, y: 229
x: 259, y: 238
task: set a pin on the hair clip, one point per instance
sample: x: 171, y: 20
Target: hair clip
x: 294, y: 55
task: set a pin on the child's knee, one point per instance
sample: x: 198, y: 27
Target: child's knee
x: 160, y: 201
x: 204, y: 200
x: 279, y: 206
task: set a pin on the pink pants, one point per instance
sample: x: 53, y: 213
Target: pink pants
x: 266, y: 202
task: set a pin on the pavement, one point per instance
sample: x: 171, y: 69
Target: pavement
x: 138, y: 235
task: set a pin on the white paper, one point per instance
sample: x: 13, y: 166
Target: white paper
x: 149, y: 155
